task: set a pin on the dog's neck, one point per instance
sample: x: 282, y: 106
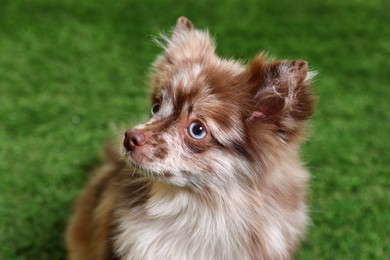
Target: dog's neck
x: 171, y: 214
x: 232, y: 222
x: 166, y: 200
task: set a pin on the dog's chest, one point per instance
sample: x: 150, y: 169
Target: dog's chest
x: 180, y: 228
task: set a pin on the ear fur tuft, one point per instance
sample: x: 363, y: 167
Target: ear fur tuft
x: 184, y: 23
x: 186, y: 42
x: 281, y: 90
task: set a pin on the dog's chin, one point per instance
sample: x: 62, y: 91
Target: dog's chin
x: 140, y: 166
x: 165, y: 177
x: 155, y: 174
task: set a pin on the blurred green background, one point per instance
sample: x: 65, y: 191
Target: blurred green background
x: 72, y: 72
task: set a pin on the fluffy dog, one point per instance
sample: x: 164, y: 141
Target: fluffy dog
x: 214, y: 174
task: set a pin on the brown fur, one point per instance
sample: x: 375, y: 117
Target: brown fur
x: 89, y: 230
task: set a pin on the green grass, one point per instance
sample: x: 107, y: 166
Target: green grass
x: 72, y: 71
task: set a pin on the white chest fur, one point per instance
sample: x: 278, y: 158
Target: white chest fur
x: 179, y: 226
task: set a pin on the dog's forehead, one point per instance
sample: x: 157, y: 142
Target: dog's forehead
x: 199, y: 81
x: 190, y: 89
x: 188, y: 76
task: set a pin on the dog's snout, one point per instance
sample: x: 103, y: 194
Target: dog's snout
x: 134, y: 138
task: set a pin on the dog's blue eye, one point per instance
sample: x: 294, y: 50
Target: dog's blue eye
x: 155, y: 108
x: 196, y: 130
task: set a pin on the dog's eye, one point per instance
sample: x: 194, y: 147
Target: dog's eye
x: 155, y: 108
x: 196, y: 130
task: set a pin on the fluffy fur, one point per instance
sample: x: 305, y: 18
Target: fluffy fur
x: 214, y: 174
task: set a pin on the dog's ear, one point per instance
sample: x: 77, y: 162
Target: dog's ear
x: 281, y: 90
x: 186, y: 42
x: 183, y: 25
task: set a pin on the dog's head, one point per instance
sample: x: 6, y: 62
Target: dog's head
x: 214, y: 121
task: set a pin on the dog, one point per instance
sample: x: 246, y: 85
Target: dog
x: 214, y: 173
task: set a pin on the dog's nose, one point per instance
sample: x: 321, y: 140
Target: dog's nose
x: 133, y: 139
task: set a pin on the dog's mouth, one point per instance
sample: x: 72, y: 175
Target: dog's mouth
x: 138, y: 158
x: 142, y: 163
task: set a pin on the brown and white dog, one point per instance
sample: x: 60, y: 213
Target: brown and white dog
x: 214, y: 174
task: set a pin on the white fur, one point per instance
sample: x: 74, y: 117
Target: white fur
x: 186, y: 224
